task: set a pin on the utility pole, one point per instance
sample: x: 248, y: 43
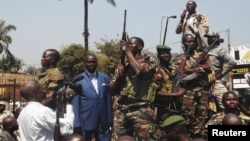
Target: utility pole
x: 14, y: 93
x: 228, y: 39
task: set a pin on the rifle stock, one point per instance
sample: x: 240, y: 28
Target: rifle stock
x: 124, y: 38
x: 57, y: 134
x: 59, y: 104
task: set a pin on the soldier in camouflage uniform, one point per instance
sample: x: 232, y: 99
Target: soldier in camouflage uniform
x: 134, y: 92
x: 175, y: 129
x: 168, y: 101
x: 196, y: 98
x: 51, y: 77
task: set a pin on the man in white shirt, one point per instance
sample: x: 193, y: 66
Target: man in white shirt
x: 36, y: 121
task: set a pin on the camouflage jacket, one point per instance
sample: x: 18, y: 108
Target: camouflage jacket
x: 217, y: 119
x: 50, y: 78
x: 163, y: 77
x: 191, y: 20
x: 202, y: 79
x: 139, y: 86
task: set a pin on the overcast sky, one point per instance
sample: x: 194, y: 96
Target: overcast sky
x: 43, y: 24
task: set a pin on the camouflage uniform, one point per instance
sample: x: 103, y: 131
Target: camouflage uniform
x: 195, y: 100
x: 49, y: 79
x: 217, y: 119
x: 166, y: 105
x: 133, y: 113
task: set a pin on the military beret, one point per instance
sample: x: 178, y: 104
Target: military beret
x: 173, y: 120
x: 212, y: 35
x: 164, y: 47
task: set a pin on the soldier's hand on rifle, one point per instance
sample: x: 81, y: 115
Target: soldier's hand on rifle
x: 124, y: 45
x: 199, y: 70
x: 120, y: 69
x: 179, y: 92
x: 188, y: 71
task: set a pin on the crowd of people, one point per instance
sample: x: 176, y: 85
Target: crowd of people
x: 173, y: 100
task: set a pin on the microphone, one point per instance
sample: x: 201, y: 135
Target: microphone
x: 183, y: 15
x: 69, y: 83
x: 170, y: 16
x: 77, y: 79
x: 76, y: 87
x: 185, y: 11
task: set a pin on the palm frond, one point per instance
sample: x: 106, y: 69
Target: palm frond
x: 112, y: 2
x: 8, y: 53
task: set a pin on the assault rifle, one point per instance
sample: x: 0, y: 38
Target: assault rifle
x: 178, y: 76
x: 124, y: 38
x: 59, y: 96
x: 199, y: 60
x: 60, y: 100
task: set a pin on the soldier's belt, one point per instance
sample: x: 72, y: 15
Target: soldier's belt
x: 128, y: 99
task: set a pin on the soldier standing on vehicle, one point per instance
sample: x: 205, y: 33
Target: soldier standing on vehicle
x: 132, y: 84
x: 222, y: 64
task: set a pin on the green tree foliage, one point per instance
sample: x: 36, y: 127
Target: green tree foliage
x: 110, y: 48
x: 10, y: 64
x: 71, y: 62
x: 17, y: 65
x: 108, y: 54
x: 32, y: 70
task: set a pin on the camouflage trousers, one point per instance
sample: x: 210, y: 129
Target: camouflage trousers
x: 195, y: 111
x: 137, y: 121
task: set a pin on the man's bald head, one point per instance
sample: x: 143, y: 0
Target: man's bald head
x: 32, y: 91
x: 231, y: 119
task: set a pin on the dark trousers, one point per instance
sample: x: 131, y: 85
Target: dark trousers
x: 90, y: 133
x: 102, y: 133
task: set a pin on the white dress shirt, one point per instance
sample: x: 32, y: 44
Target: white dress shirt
x: 93, y: 79
x: 37, y: 122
